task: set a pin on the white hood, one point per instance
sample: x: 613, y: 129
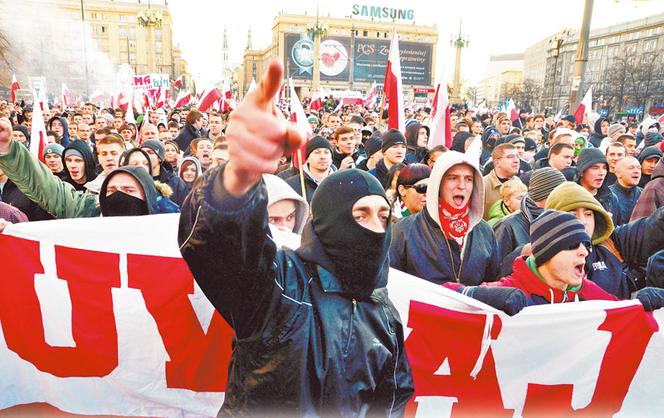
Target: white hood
x: 444, y: 163
x: 277, y: 190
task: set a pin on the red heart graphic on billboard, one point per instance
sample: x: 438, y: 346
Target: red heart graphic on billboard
x: 330, y: 59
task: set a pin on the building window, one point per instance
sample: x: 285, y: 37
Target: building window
x: 122, y: 17
x: 132, y: 33
x: 365, y: 33
x: 122, y: 32
x: 158, y: 46
x: 132, y: 58
x: 157, y: 34
x: 649, y: 45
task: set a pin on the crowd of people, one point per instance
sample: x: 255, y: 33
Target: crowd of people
x: 547, y: 211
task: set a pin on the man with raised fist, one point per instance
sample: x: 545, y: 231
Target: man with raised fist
x: 315, y: 331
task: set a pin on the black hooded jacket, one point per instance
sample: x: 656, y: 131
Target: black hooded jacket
x: 11, y: 195
x: 186, y: 135
x: 596, y: 137
x: 64, y: 140
x: 415, y: 154
x: 152, y: 196
x: 89, y: 160
x: 302, y: 345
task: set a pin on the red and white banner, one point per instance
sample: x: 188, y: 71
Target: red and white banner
x: 15, y: 86
x: 208, y: 98
x: 392, y: 87
x: 37, y: 130
x: 102, y: 316
x: 441, y: 125
x: 585, y: 107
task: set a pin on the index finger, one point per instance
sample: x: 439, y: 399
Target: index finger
x: 270, y: 83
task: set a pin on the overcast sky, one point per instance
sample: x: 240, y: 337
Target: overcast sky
x: 493, y: 27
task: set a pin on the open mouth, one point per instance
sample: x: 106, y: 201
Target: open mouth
x: 579, y: 271
x: 458, y: 200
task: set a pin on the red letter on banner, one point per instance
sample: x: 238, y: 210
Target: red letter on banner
x: 90, y: 275
x: 199, y: 361
x: 440, y: 333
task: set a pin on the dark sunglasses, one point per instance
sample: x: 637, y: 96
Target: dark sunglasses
x: 419, y: 188
x: 586, y: 244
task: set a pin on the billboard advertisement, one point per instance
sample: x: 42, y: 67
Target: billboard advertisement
x: 334, y: 62
x: 367, y: 56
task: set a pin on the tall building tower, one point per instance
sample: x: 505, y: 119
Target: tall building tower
x: 225, y: 64
x: 249, y: 43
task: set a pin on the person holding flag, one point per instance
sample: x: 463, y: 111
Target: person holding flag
x: 317, y: 319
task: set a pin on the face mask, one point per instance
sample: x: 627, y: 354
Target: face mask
x: 358, y: 255
x: 122, y: 204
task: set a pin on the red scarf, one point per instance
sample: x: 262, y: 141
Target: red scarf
x: 453, y: 221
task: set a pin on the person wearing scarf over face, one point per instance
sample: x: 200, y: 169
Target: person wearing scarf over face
x: 435, y: 244
x: 315, y: 333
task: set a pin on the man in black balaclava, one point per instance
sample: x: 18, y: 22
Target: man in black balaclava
x: 315, y: 331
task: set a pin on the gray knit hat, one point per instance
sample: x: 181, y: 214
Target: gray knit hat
x: 553, y: 232
x: 543, y: 181
x: 588, y: 157
x: 616, y: 127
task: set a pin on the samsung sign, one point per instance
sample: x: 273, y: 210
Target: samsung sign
x: 377, y: 12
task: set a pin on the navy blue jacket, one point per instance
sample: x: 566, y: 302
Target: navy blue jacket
x: 627, y: 199
x: 419, y: 248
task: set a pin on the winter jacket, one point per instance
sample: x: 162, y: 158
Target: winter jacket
x: 596, y: 137
x: 652, y: 196
x: 11, y: 195
x: 497, y: 211
x: 300, y: 346
x: 179, y: 187
x: 199, y: 171
x: 492, y: 186
x: 187, y: 134
x: 310, y: 184
x: 524, y: 167
x: 514, y: 230
x: 626, y: 199
x: 525, y: 278
x: 57, y: 197
x: 609, y: 201
x: 419, y: 246
x: 381, y: 172
x: 415, y: 154
x: 12, y: 214
x: 337, y: 157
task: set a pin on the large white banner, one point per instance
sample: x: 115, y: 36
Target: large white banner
x: 102, y: 316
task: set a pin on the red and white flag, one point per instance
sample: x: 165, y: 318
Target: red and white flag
x: 179, y: 82
x: 208, y: 98
x: 441, y: 129
x: 372, y: 96
x: 15, y: 86
x: 183, y: 99
x: 38, y: 130
x: 129, y: 109
x: 317, y: 101
x: 161, y: 98
x: 67, y: 96
x: 97, y: 96
x: 300, y: 118
x: 585, y: 106
x: 42, y: 100
x: 392, y: 87
x: 511, y: 111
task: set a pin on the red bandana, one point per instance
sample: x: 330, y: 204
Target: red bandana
x: 453, y: 221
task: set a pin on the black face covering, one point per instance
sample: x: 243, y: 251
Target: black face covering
x: 121, y: 204
x: 357, y: 254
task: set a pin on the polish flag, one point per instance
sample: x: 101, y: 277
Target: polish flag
x: 129, y: 110
x: 179, y: 82
x: 43, y: 101
x: 38, y: 130
x: 298, y: 116
x: 370, y: 101
x: 67, y: 96
x: 147, y: 101
x: 441, y: 126
x: 123, y: 101
x: 392, y: 87
x: 585, y: 106
x: 558, y: 116
x: 183, y: 99
x: 97, y: 96
x: 15, y: 86
x: 208, y: 98
x: 161, y: 98
x: 511, y: 111
x: 317, y: 101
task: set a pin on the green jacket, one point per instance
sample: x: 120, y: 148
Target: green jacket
x: 37, y: 182
x: 497, y: 211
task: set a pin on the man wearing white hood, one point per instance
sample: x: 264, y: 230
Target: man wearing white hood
x: 287, y: 210
x: 436, y: 243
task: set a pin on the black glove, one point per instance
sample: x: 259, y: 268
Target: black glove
x: 507, y: 299
x: 651, y: 298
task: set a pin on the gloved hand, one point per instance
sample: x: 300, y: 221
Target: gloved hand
x: 507, y: 299
x: 651, y: 298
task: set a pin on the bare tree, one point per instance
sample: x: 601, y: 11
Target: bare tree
x: 510, y: 90
x: 471, y: 93
x: 531, y: 94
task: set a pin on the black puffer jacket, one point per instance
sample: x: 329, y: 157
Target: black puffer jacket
x: 301, y: 347
x: 187, y: 134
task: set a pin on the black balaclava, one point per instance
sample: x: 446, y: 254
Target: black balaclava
x: 358, y: 256
x: 121, y: 204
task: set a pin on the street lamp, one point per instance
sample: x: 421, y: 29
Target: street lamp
x: 150, y: 19
x: 555, y: 44
x: 315, y: 32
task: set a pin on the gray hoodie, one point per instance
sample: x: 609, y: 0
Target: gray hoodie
x: 277, y: 190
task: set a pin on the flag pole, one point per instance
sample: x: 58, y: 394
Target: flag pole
x: 380, y: 112
x: 299, y: 158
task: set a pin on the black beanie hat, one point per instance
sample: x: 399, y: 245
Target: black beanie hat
x: 531, y: 145
x: 553, y: 232
x: 650, y: 152
x: 588, y: 157
x: 391, y: 138
x: 357, y: 255
x: 24, y: 130
x: 156, y: 146
x: 372, y: 145
x: 315, y: 143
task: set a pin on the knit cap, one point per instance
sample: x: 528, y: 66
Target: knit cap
x: 650, y: 152
x: 372, y: 145
x: 543, y: 181
x: 391, y: 138
x: 53, y: 149
x: 156, y: 146
x: 616, y: 127
x: 588, y: 157
x: 315, y: 143
x: 652, y: 138
x: 570, y: 196
x: 553, y: 232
